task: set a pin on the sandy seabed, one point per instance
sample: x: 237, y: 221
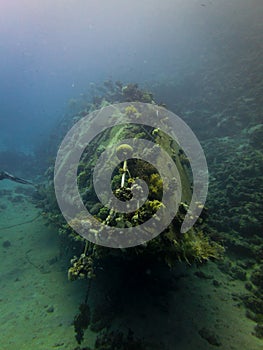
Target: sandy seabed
x: 38, y: 303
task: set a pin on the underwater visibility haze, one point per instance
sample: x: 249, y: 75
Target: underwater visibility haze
x: 131, y: 172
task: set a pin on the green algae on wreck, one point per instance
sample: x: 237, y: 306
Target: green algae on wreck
x: 171, y: 245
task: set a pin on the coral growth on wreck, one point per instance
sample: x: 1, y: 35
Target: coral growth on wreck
x: 171, y: 245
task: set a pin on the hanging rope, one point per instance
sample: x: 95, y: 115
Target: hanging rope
x: 22, y: 223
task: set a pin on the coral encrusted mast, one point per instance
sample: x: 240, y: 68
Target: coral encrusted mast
x: 171, y: 244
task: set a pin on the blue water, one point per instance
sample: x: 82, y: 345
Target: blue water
x: 53, y: 52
